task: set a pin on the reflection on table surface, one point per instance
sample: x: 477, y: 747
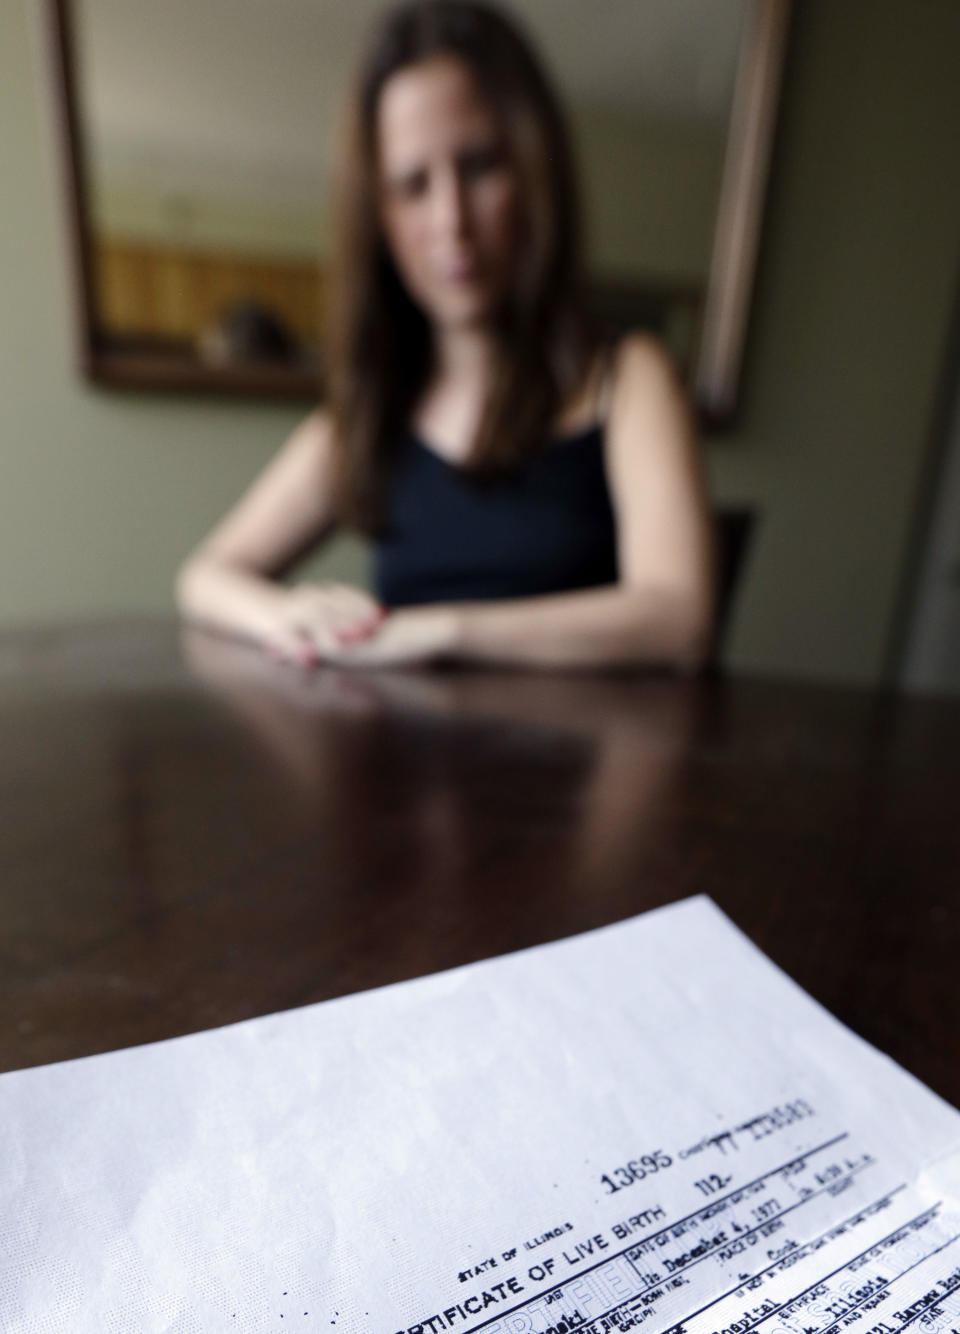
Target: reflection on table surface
x: 194, y: 834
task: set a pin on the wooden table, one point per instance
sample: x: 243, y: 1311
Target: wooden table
x: 192, y: 835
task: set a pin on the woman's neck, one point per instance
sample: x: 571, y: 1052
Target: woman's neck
x: 464, y: 356
x: 452, y: 403
x: 455, y: 395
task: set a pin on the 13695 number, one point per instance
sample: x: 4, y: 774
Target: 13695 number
x: 637, y: 1169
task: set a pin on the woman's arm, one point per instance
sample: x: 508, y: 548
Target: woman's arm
x: 229, y: 581
x: 660, y: 610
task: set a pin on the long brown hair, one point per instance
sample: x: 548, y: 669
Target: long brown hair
x: 378, y: 339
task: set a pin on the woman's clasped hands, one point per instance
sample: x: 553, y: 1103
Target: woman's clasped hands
x: 329, y: 622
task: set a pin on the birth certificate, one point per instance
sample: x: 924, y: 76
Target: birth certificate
x: 645, y: 1127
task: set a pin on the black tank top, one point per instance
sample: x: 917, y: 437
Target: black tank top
x: 546, y: 527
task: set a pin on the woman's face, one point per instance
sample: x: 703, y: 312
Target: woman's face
x: 449, y: 192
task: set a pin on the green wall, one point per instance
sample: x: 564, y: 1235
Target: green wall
x: 856, y: 286
x: 650, y: 188
x: 102, y: 493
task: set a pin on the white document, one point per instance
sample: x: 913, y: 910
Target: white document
x: 645, y: 1126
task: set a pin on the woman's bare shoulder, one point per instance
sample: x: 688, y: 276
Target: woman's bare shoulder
x: 307, y: 456
x: 635, y: 365
x: 646, y: 387
x: 641, y: 358
x: 316, y: 428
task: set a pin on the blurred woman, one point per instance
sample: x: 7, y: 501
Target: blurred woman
x: 534, y: 495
